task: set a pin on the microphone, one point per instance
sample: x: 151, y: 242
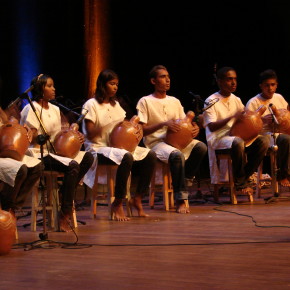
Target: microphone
x: 21, y: 97
x: 195, y: 97
x: 273, y: 115
x: 210, y: 104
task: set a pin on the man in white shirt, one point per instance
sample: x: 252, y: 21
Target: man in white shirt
x: 218, y: 121
x: 157, y: 112
x: 268, y: 95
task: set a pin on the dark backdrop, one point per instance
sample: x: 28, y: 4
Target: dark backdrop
x: 189, y: 37
x: 188, y: 40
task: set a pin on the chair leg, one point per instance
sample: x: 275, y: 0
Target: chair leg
x: 275, y: 184
x: 128, y: 197
x: 232, y: 184
x: 34, y: 207
x: 259, y: 178
x: 165, y: 189
x: 152, y: 191
x: 73, y: 217
x: 94, y: 193
x: 216, y: 193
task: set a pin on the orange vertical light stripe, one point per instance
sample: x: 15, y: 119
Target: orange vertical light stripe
x: 97, y: 33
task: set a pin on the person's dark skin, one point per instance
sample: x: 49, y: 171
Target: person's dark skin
x: 161, y: 85
x: 227, y: 86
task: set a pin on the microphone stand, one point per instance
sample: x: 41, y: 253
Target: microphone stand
x: 41, y: 140
x: 197, y: 99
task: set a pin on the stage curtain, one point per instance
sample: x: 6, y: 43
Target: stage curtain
x: 97, y: 45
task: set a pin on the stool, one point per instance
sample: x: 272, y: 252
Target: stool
x: 225, y: 154
x: 52, y: 201
x: 110, y: 171
x: 167, y: 189
x: 274, y: 183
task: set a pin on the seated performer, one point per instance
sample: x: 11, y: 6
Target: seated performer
x: 104, y: 112
x: 157, y: 112
x: 74, y: 169
x: 218, y: 120
x: 268, y: 95
x: 17, y: 177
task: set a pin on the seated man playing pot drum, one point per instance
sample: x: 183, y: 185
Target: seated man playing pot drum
x: 17, y: 177
x: 268, y: 95
x: 159, y: 112
x: 218, y: 120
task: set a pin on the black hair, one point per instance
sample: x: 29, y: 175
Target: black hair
x: 155, y: 69
x: 38, y: 84
x: 268, y: 74
x: 221, y: 73
x: 104, y: 77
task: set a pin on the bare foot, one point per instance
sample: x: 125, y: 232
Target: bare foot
x: 118, y: 212
x: 249, y: 192
x: 64, y: 223
x: 285, y: 182
x: 181, y: 207
x: 136, y: 202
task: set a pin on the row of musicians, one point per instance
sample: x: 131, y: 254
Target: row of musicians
x: 157, y: 113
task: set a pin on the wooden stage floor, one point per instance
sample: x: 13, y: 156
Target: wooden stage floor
x: 216, y: 246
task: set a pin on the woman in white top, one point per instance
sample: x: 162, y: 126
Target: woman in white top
x: 104, y: 112
x: 74, y: 169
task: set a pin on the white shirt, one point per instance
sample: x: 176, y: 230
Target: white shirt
x: 51, y: 121
x: 220, y: 139
x: 153, y: 111
x: 106, y: 116
x: 278, y: 100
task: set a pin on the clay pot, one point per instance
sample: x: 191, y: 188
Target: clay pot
x: 13, y: 140
x: 249, y: 125
x: 126, y: 134
x: 283, y: 118
x: 7, y: 231
x: 67, y: 142
x: 183, y: 137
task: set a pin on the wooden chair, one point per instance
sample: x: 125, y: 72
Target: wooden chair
x: 260, y: 180
x: 109, y: 195
x: 167, y: 189
x: 225, y: 154
x: 52, y: 201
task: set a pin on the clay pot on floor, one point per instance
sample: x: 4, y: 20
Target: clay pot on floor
x: 7, y: 231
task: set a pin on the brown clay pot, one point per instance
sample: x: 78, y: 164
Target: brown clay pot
x: 7, y: 231
x: 127, y: 134
x: 249, y: 125
x: 183, y: 137
x: 67, y: 142
x: 283, y: 118
x: 13, y: 140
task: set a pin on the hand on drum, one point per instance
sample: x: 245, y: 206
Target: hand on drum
x: 267, y: 119
x: 195, y: 130
x: 238, y: 114
x: 29, y: 133
x: 81, y: 137
x: 172, y: 125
